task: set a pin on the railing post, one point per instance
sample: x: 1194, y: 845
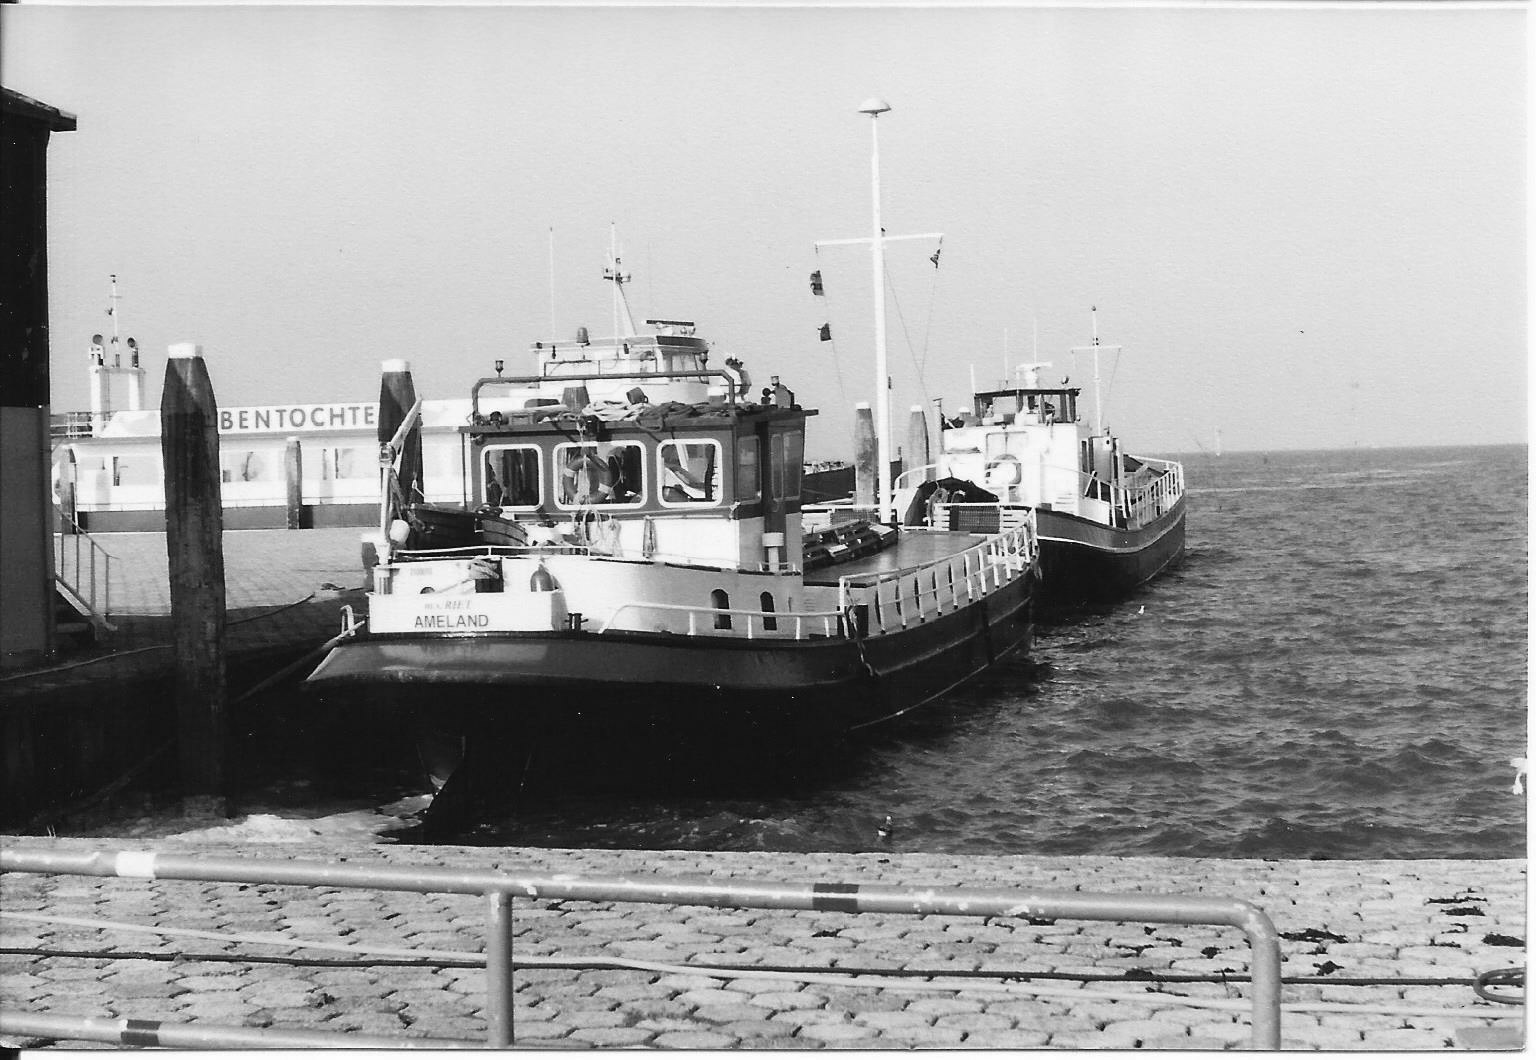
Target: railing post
x: 498, y: 969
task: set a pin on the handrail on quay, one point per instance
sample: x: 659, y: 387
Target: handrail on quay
x: 499, y: 887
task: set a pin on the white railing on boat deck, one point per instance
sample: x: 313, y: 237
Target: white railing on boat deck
x: 1144, y: 503
x: 782, y: 625
x: 897, y: 599
x: 893, y: 599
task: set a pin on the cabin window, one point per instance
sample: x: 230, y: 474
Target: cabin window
x: 787, y: 460
x: 749, y: 483
x: 765, y: 604
x: 721, y: 601
x: 511, y: 478
x: 688, y: 472
x: 348, y: 463
x: 999, y: 444
x: 608, y: 474
x: 794, y: 463
x: 248, y: 466
x: 136, y: 470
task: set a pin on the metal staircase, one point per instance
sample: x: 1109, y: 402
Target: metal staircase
x: 82, y: 581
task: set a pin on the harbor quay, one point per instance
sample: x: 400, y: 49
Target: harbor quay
x: 99, y: 711
x: 1375, y: 955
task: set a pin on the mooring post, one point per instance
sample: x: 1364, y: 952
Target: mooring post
x: 397, y: 393
x: 293, y: 471
x: 864, y: 458
x: 194, y: 530
x: 918, y: 454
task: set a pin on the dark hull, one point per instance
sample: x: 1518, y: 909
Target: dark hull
x: 1084, y: 562
x: 546, y: 682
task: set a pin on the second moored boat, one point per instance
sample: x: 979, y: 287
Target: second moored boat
x: 1108, y: 522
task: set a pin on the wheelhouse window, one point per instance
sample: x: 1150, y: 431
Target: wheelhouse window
x: 511, y: 477
x: 749, y: 483
x: 787, y: 457
x: 591, y: 474
x: 688, y: 472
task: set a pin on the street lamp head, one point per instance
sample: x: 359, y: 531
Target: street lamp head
x: 873, y: 106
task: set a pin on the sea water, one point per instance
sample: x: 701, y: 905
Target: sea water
x: 1337, y: 669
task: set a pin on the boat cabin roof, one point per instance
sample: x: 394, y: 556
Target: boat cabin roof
x: 1019, y: 391
x: 667, y: 418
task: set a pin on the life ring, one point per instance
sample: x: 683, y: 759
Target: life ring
x: 588, y: 481
x: 1005, y: 471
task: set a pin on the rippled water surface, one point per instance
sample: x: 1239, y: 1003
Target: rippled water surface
x: 1338, y: 669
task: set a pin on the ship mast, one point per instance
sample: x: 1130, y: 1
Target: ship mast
x: 112, y: 312
x: 1098, y: 409
x: 884, y: 500
x: 874, y: 108
x: 615, y: 273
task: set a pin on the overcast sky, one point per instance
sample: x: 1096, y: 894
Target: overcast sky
x: 1305, y: 224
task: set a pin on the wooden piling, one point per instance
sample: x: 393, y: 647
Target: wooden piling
x: 194, y: 529
x: 397, y: 393
x: 864, y: 457
x: 918, y: 454
x: 293, y: 471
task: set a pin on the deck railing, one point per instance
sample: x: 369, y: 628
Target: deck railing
x: 897, y: 599
x: 1143, y: 503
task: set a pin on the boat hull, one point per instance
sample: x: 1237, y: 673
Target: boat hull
x: 543, y: 682
x: 1084, y: 562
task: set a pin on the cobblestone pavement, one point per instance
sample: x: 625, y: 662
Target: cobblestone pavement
x: 1341, y: 920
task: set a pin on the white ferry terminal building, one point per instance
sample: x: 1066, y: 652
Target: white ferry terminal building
x: 108, y: 475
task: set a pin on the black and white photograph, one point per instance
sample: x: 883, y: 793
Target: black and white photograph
x: 780, y: 525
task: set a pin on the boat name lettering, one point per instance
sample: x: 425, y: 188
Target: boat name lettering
x: 446, y: 621
x: 297, y: 417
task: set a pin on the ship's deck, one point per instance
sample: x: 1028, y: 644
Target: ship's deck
x: 914, y: 548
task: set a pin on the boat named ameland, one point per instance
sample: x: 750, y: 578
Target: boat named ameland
x: 632, y: 552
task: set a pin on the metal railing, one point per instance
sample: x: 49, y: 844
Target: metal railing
x: 84, y: 570
x: 498, y: 888
x: 706, y: 375
x: 1142, y: 503
x: 898, y: 598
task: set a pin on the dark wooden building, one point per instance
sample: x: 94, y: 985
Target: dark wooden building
x: 26, y: 506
